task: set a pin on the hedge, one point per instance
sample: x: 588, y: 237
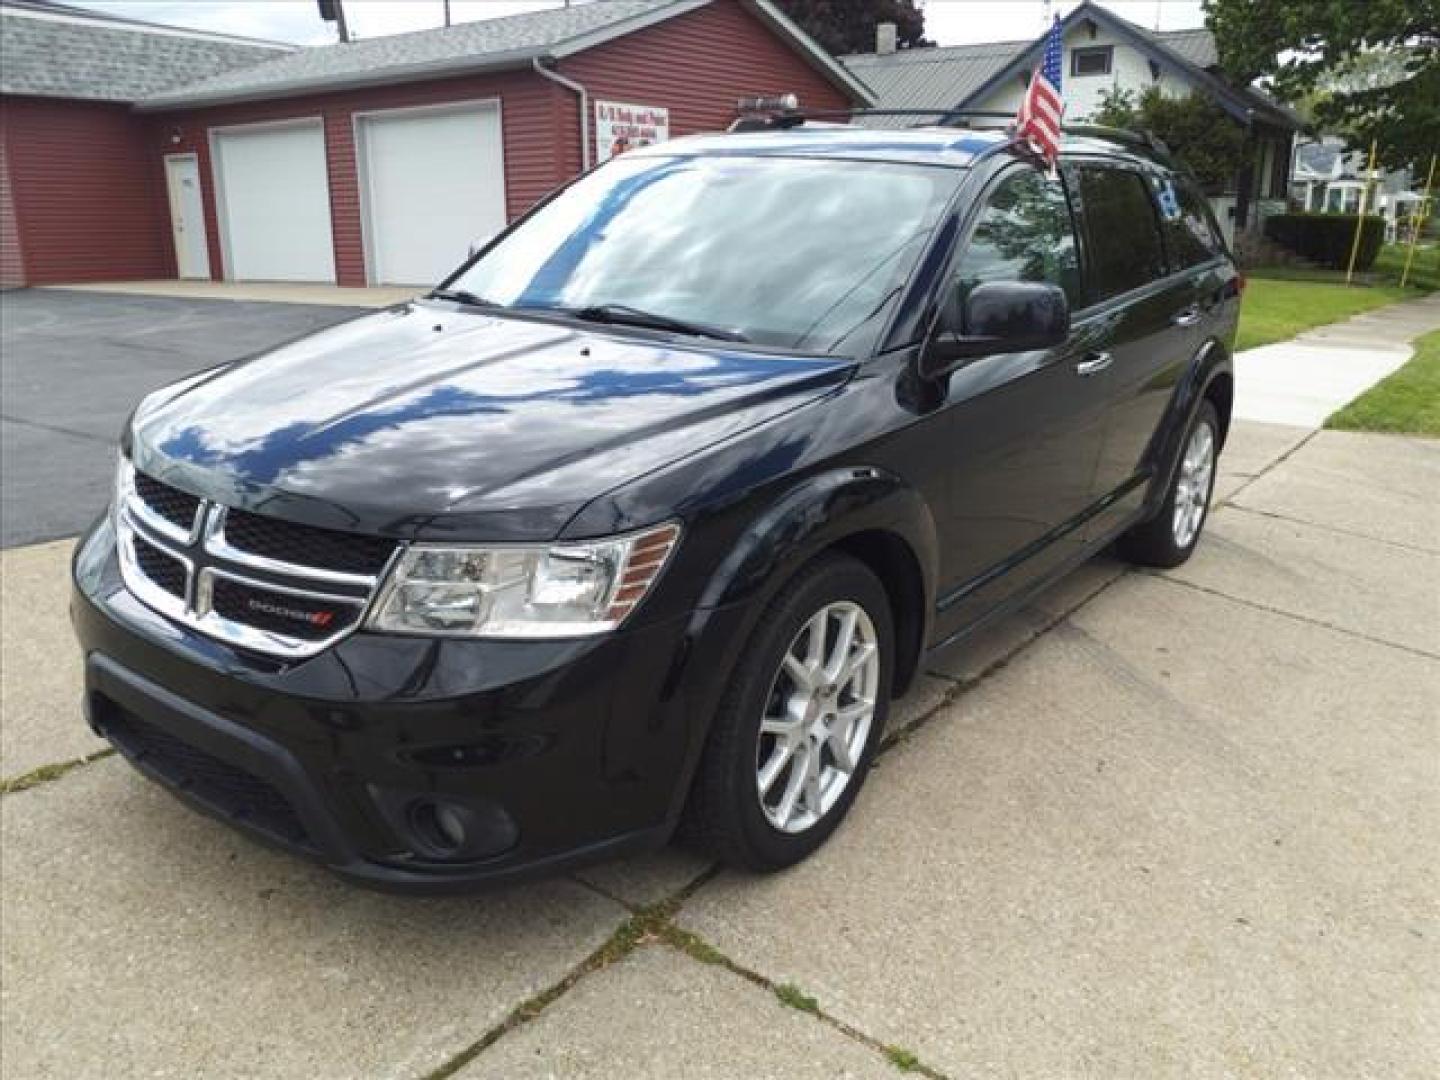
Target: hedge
x: 1327, y: 238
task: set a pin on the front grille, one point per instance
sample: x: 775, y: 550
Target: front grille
x: 308, y: 618
x: 230, y: 790
x: 307, y: 545
x: 170, y: 503
x: 163, y: 569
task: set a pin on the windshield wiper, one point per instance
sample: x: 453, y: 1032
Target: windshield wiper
x: 625, y: 315
x: 461, y: 296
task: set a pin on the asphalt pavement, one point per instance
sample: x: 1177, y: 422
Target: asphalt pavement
x: 74, y: 364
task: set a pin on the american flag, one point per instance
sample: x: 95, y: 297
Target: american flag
x: 1038, y: 121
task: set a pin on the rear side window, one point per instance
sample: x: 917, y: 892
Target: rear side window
x: 1024, y: 234
x: 1185, y: 221
x: 1121, y: 231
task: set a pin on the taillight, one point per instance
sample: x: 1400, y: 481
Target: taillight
x: 1240, y: 284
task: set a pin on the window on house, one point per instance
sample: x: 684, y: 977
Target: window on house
x: 1092, y: 61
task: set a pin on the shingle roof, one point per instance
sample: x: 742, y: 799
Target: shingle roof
x: 937, y: 78
x: 1197, y: 46
x: 929, y: 78
x: 50, y: 50
x: 489, y: 43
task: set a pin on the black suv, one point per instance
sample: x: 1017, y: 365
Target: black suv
x: 646, y: 514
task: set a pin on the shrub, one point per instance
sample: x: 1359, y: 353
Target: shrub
x: 1327, y: 238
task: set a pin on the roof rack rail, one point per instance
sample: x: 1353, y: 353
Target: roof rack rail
x: 792, y: 118
x: 1143, y: 137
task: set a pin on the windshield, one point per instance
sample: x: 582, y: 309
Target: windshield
x: 790, y: 252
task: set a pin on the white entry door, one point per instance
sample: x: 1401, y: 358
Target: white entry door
x: 187, y: 216
x: 274, y: 196
x: 434, y: 183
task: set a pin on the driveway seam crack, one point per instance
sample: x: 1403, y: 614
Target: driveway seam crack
x: 964, y: 685
x: 698, y: 949
x: 641, y: 928
x: 1307, y: 619
x: 47, y: 774
x: 55, y: 428
x: 1328, y: 528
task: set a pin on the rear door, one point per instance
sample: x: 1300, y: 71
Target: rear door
x: 1024, y: 431
x: 1143, y: 312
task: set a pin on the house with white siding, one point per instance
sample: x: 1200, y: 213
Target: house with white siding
x: 1103, y: 52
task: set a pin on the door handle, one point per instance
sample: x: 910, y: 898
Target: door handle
x: 1093, y: 363
x: 1188, y: 316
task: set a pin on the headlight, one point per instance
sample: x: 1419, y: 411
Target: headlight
x: 522, y: 591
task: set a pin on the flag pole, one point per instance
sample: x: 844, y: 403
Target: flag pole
x: 1360, y: 217
x: 1418, y: 222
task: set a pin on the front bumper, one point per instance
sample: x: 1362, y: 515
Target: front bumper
x: 557, y: 752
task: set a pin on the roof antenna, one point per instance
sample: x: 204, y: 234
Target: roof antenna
x: 1157, y: 16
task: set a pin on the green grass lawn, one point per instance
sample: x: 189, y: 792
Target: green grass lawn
x: 1273, y: 310
x: 1406, y: 402
x: 1424, y: 269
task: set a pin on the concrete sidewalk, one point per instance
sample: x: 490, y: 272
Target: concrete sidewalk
x: 1302, y: 381
x: 1155, y: 825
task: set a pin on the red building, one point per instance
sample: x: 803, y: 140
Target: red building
x: 376, y: 162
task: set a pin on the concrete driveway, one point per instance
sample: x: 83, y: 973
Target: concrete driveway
x: 74, y: 363
x: 1174, y: 824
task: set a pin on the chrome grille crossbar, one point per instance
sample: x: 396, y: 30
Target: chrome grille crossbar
x: 207, y: 558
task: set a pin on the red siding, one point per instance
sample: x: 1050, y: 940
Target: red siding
x: 86, y: 192
x: 89, y: 186
x: 12, y: 265
x: 526, y: 109
x: 698, y: 66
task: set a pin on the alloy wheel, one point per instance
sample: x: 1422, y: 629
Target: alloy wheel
x: 1192, y: 486
x: 818, y: 716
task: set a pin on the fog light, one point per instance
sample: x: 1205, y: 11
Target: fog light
x: 441, y: 825
x: 448, y: 830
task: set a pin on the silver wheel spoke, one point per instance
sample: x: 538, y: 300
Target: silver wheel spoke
x: 782, y: 753
x: 801, y: 675
x: 844, y: 642
x: 798, y: 772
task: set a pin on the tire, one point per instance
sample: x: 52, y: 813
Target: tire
x: 727, y: 814
x: 1162, y: 541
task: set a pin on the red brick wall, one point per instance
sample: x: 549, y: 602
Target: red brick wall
x: 698, y: 66
x: 85, y: 191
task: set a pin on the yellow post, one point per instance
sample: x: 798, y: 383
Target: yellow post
x: 1418, y: 222
x: 1360, y: 218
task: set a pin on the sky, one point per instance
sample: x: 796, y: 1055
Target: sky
x: 947, y: 22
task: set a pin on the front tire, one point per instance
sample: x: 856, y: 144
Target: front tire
x: 793, y: 738
x: 1169, y: 538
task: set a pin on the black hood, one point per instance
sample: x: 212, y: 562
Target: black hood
x: 425, y: 420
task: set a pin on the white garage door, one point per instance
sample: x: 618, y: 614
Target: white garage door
x: 434, y: 184
x: 275, y: 204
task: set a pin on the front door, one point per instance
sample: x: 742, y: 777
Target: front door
x: 187, y: 216
x: 1025, y: 429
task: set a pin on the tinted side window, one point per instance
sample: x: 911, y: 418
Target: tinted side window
x: 1025, y: 233
x: 1121, y: 230
x: 1185, y: 221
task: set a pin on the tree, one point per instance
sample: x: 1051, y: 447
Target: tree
x: 1195, y: 129
x: 848, y: 26
x: 1327, y: 49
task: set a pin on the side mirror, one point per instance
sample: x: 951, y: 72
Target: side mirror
x: 996, y: 317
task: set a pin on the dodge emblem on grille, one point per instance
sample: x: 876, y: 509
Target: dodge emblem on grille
x: 321, y: 619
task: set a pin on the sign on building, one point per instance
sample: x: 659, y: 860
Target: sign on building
x: 620, y: 127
